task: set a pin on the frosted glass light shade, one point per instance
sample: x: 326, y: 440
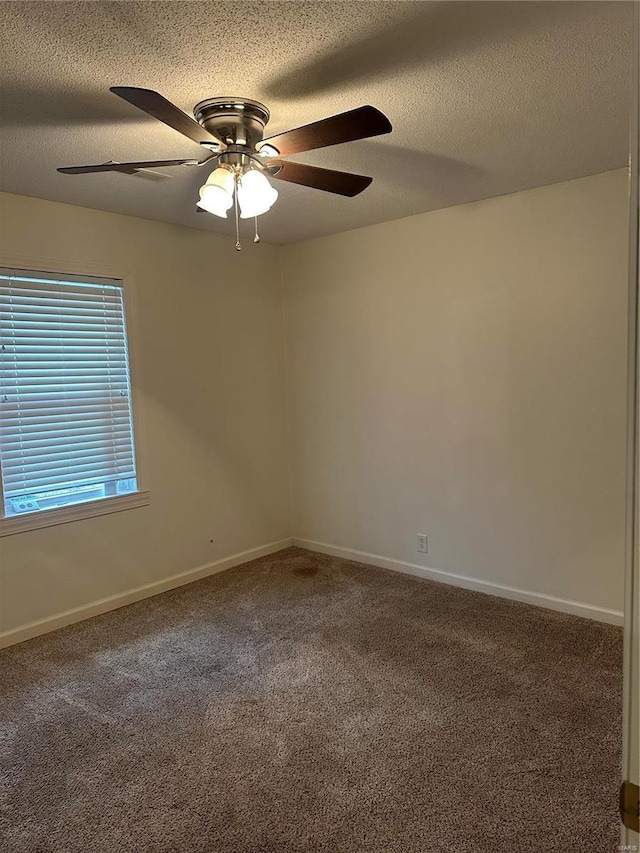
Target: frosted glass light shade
x: 255, y: 194
x: 216, y: 195
x: 215, y: 200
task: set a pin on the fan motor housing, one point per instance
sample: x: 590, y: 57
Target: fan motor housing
x: 233, y: 121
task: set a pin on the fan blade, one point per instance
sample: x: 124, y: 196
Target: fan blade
x: 360, y: 123
x: 341, y: 183
x: 125, y: 168
x: 155, y: 105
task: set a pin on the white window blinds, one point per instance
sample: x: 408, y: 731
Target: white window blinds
x: 66, y: 430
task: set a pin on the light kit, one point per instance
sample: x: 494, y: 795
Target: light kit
x: 245, y: 185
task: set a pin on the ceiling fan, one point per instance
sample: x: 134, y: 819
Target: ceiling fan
x: 232, y: 131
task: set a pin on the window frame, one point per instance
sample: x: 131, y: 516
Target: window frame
x: 10, y: 525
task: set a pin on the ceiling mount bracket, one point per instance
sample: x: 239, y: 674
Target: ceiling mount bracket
x: 233, y: 121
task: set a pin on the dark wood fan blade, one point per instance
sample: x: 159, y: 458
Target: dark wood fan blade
x: 155, y: 105
x: 360, y: 123
x: 126, y: 168
x: 341, y: 183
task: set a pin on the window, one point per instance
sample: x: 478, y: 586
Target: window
x: 66, y: 420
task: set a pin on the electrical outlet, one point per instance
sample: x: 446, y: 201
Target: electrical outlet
x: 423, y: 543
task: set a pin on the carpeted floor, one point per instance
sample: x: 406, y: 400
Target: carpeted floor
x: 302, y: 703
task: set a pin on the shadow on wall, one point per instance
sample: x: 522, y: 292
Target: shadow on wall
x: 220, y: 423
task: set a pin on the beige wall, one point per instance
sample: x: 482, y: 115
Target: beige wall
x: 463, y: 373
x: 209, y: 345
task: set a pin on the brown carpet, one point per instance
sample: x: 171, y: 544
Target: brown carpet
x: 305, y: 703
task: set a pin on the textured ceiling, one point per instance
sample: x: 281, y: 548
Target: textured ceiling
x: 485, y: 98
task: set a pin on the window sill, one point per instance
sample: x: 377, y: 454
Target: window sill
x: 90, y: 509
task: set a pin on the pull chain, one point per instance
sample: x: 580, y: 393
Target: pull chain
x: 256, y: 239
x: 235, y: 195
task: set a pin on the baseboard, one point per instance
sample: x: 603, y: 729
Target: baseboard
x: 78, y: 614
x: 113, y: 602
x: 550, y: 602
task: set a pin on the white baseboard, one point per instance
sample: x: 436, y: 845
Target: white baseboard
x: 78, y: 614
x: 113, y: 602
x: 550, y: 602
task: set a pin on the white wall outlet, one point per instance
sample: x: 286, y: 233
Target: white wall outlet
x: 423, y: 543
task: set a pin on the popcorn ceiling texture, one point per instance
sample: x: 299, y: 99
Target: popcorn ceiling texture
x: 305, y: 704
x: 485, y: 98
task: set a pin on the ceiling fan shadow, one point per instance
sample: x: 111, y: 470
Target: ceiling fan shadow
x: 418, y: 170
x: 25, y: 105
x: 435, y: 32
